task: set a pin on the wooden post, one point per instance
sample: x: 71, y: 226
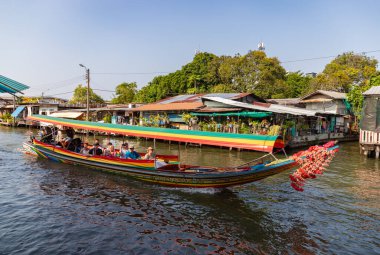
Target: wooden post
x: 377, y: 151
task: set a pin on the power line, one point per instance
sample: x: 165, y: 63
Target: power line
x: 141, y: 73
x: 67, y: 80
x: 60, y: 94
x: 105, y: 90
x: 317, y: 58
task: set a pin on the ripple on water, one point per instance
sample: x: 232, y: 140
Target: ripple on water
x: 51, y: 208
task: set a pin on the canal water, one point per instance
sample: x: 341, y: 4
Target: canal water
x: 52, y: 208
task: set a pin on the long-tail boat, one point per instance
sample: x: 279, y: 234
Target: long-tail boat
x: 164, y: 169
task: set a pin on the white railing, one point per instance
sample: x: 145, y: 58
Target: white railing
x: 369, y: 137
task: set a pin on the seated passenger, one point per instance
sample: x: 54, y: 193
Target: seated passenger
x: 123, y: 150
x: 110, y: 150
x: 96, y: 150
x: 132, y: 154
x: 149, y: 154
x: 85, y: 150
x: 65, y: 142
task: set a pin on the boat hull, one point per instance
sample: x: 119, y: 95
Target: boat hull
x: 144, y: 169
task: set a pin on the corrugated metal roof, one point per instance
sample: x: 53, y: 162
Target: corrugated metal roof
x: 284, y: 101
x: 318, y: 100
x: 198, y: 97
x: 272, y: 107
x: 213, y: 109
x: 179, y: 98
x: 17, y: 112
x: 168, y: 107
x: 329, y: 93
x: 373, y: 91
x: 10, y: 86
x: 67, y: 115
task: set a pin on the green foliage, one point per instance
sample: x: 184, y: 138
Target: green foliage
x: 107, y: 118
x: 355, y: 96
x: 297, y: 84
x: 29, y: 100
x: 125, y: 93
x: 186, y: 117
x: 6, y: 117
x: 253, y: 72
x: 80, y: 96
x: 258, y: 74
x: 344, y: 72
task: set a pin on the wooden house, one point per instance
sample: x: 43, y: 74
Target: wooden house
x: 370, y: 123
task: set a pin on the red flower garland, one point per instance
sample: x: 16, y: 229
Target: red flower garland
x: 312, y: 162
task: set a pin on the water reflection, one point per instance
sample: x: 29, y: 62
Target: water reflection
x: 172, y: 219
x: 52, y: 208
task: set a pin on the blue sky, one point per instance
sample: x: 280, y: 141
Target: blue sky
x: 43, y: 42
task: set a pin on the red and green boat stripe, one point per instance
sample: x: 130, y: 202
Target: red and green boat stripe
x: 143, y: 164
x: 244, y: 141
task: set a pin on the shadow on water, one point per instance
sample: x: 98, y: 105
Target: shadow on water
x: 171, y: 220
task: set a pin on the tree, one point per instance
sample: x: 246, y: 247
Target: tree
x: 80, y: 96
x: 297, y: 84
x: 355, y: 96
x: 222, y: 88
x: 254, y: 72
x: 125, y: 93
x: 193, y: 77
x: 344, y: 72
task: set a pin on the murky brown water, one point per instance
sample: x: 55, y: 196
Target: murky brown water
x: 52, y: 208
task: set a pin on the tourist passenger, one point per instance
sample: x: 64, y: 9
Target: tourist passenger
x: 132, y: 154
x: 110, y: 150
x: 149, y: 154
x: 85, y: 150
x: 97, y: 142
x: 65, y: 142
x: 123, y: 150
x: 96, y: 150
x: 70, y: 132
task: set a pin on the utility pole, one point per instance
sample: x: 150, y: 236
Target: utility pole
x: 88, y: 91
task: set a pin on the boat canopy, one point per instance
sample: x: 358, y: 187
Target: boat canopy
x: 262, y: 143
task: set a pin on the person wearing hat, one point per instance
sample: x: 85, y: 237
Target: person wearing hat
x: 96, y: 150
x: 123, y: 150
x: 149, y: 154
x: 132, y: 154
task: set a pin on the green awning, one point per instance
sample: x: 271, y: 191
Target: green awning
x: 239, y: 114
x: 10, y: 86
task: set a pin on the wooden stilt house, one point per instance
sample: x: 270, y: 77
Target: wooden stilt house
x: 370, y: 123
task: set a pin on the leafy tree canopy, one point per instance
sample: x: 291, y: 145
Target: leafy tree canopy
x: 80, y: 96
x: 125, y: 93
x: 297, y: 84
x: 345, y: 71
x: 253, y: 72
x: 355, y: 96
